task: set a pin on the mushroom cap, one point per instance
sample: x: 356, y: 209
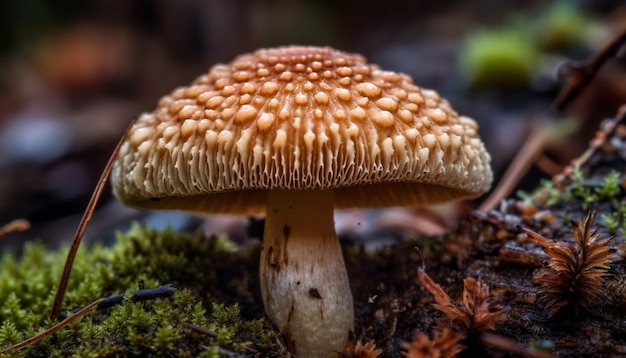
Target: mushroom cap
x: 299, y: 118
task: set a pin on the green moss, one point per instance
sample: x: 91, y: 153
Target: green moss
x: 196, y: 265
x: 581, y: 194
x: 580, y: 191
x: 610, y: 188
x: 611, y: 221
x: 546, y: 194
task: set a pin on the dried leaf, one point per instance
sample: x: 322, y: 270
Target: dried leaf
x: 485, y: 312
x: 453, y: 311
x: 360, y: 350
x: 443, y: 345
x: 478, y: 312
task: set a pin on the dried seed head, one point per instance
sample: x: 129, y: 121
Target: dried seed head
x: 575, y: 271
x: 478, y: 312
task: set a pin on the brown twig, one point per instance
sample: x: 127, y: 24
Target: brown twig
x: 580, y: 74
x: 52, y: 329
x: 548, y: 166
x: 526, y: 156
x: 620, y: 117
x: 80, y: 231
x: 16, y: 225
x: 594, y: 146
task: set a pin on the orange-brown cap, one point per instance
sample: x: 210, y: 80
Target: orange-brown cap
x: 299, y: 118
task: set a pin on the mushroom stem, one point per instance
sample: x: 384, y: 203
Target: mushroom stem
x: 304, y: 282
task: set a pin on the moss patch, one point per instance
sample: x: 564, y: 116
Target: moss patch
x: 200, y: 268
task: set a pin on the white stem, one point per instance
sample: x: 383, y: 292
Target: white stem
x: 304, y: 282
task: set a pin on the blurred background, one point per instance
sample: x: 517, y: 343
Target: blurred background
x: 74, y: 73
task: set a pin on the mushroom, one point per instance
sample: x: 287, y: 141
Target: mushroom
x: 296, y: 132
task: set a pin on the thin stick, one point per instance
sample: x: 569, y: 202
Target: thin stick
x: 135, y: 296
x: 619, y: 119
x: 580, y: 74
x: 16, y: 225
x: 52, y: 329
x: 529, y: 152
x: 594, y: 147
x: 202, y: 330
x: 419, y: 252
x: 140, y: 295
x: 80, y: 231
